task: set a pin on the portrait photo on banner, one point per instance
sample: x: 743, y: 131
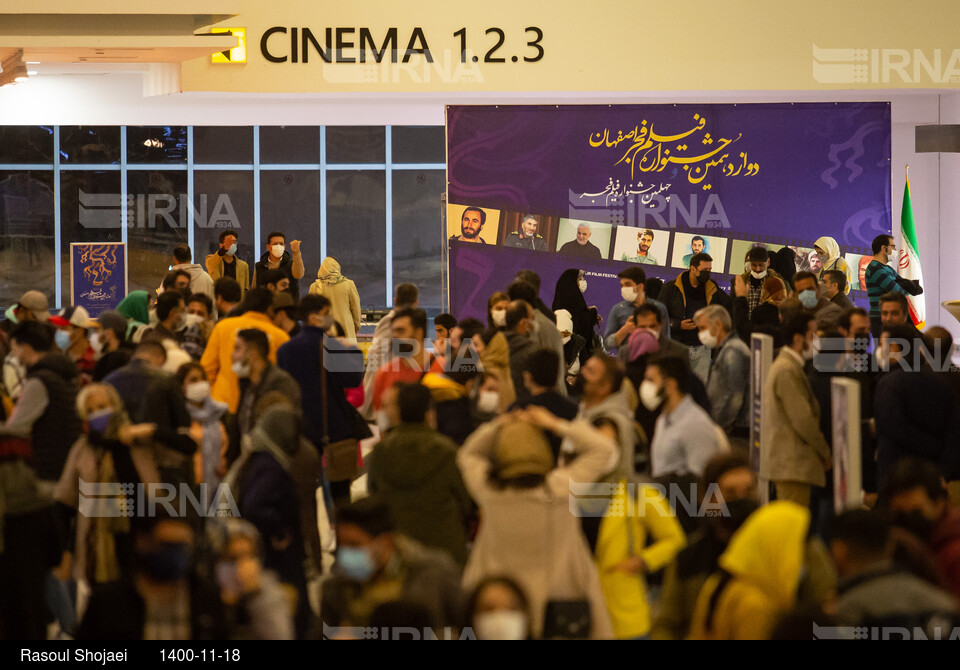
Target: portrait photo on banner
x: 584, y: 239
x: 807, y: 259
x: 472, y: 224
x: 739, y: 250
x: 685, y: 245
x: 647, y: 246
x: 857, y: 271
x: 530, y: 231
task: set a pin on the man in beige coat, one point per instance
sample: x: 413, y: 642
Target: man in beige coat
x: 793, y: 452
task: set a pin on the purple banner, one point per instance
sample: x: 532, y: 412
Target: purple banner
x: 601, y: 187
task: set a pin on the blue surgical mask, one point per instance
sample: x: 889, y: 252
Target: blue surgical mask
x: 356, y: 563
x: 62, y: 338
x: 232, y: 250
x: 808, y: 298
x: 98, y: 421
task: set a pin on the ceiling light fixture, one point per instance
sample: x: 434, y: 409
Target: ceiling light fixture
x: 14, y: 70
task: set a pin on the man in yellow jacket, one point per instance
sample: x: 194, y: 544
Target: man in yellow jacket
x: 217, y: 358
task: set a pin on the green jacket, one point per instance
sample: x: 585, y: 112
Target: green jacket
x: 414, y: 468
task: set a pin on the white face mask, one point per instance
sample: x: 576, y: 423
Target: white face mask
x: 499, y: 317
x: 629, y: 293
x: 192, y: 320
x: 197, y: 391
x: 488, y: 402
x: 501, y: 625
x: 583, y: 285
x: 241, y: 369
x: 758, y: 275
x: 707, y: 339
x: 96, y: 342
x: 650, y: 395
x: 277, y: 250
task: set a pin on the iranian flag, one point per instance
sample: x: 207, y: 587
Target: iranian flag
x: 908, y: 263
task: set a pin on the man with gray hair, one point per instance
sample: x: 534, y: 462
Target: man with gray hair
x: 581, y: 246
x: 728, y: 383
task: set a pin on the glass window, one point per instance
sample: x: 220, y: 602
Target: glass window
x: 290, y: 203
x: 224, y: 145
x: 157, y: 144
x: 26, y: 144
x: 90, y: 144
x: 157, y: 224
x: 26, y: 235
x: 356, y: 230
x: 419, y: 144
x: 356, y: 144
x: 90, y: 204
x: 417, y: 236
x: 224, y: 200
x: 289, y: 144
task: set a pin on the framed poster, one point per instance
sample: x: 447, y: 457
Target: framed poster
x: 98, y: 275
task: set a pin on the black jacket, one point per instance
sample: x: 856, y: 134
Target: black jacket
x: 673, y: 297
x: 286, y: 267
x: 59, y: 426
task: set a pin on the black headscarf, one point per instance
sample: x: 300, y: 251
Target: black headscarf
x: 785, y: 264
x: 569, y: 297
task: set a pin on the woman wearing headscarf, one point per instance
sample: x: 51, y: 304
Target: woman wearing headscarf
x: 497, y: 310
x: 136, y: 308
x: 342, y: 294
x: 785, y: 263
x: 569, y: 296
x: 828, y: 251
x: 111, y: 450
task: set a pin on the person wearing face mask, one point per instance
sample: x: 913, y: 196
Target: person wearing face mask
x: 539, y: 379
x: 519, y: 326
x: 569, y: 295
x: 377, y: 563
x: 765, y: 318
x: 114, y: 349
x: 224, y: 263
x: 691, y: 291
x: 111, y: 449
x: 289, y: 263
x: 757, y: 271
x: 165, y: 599
x: 685, y: 437
x: 794, y: 454
x: 414, y: 470
x: 499, y: 610
x: 620, y: 321
x: 196, y: 326
x: 728, y: 384
x: 300, y: 358
x: 727, y: 478
x: 915, y: 496
x: 206, y: 428
x: 171, y: 312
x: 545, y: 334
x: 217, y: 358
x: 881, y: 278
x: 381, y: 349
x: 814, y: 303
x: 494, y: 352
x: 573, y: 344
x: 72, y: 338
x: 257, y: 376
x: 497, y: 310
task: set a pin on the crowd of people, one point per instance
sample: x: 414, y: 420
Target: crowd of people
x: 220, y: 460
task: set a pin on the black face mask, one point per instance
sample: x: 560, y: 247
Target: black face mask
x: 704, y: 276
x: 405, y: 349
x: 915, y: 522
x: 739, y: 510
x: 168, y: 563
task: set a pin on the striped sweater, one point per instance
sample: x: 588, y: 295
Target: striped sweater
x: 880, y: 279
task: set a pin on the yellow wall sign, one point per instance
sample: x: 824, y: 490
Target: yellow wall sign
x: 238, y: 54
